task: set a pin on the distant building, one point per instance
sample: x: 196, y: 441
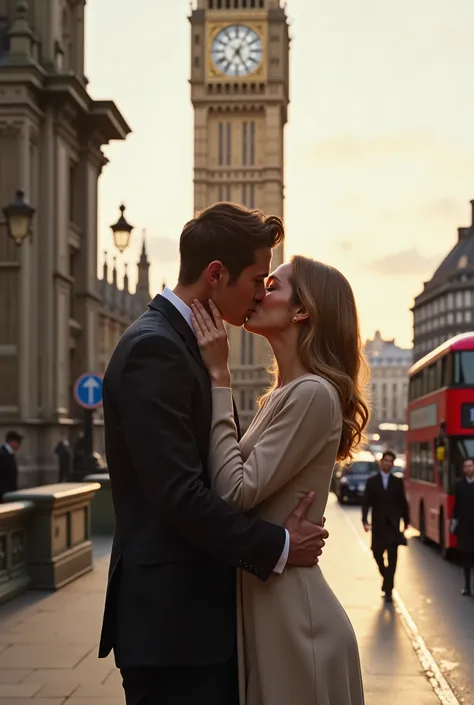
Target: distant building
x: 119, y: 306
x: 389, y: 365
x: 445, y: 306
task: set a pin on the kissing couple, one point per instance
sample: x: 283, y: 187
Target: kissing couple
x: 215, y: 595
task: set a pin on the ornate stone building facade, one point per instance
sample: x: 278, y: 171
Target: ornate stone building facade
x: 240, y: 94
x: 53, y: 308
x: 389, y: 365
x: 445, y: 307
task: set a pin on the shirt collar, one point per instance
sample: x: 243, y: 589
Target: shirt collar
x: 179, y: 305
x: 9, y: 448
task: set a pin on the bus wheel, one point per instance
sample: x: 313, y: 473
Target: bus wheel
x: 422, y: 524
x: 443, y: 549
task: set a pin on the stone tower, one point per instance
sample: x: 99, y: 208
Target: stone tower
x: 51, y: 134
x: 143, y: 279
x: 240, y: 95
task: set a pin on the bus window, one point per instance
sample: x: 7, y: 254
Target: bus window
x: 464, y: 367
x: 460, y: 448
x: 447, y: 370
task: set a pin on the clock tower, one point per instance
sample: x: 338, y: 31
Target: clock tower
x: 240, y: 94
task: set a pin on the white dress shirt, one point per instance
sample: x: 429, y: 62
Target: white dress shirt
x: 185, y: 311
x: 385, y: 479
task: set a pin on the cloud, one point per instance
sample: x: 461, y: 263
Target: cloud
x: 346, y: 245
x: 409, y: 262
x: 440, y: 208
x: 351, y: 148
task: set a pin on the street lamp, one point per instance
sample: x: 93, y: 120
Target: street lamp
x: 122, y: 231
x: 19, y: 215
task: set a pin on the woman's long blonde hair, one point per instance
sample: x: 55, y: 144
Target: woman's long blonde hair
x: 330, y: 344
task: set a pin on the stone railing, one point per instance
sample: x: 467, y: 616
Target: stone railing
x: 58, y: 537
x: 103, y: 516
x: 14, y: 578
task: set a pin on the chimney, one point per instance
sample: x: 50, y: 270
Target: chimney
x: 463, y: 233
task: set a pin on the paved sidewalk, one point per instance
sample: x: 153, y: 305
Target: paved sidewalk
x: 48, y: 642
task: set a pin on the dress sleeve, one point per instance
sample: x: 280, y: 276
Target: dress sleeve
x: 295, y: 435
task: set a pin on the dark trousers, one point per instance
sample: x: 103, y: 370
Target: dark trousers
x: 182, y: 685
x: 387, y: 569
x: 468, y: 567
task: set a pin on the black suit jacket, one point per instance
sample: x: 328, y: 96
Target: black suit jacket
x: 463, y: 512
x: 388, y: 507
x: 8, y: 472
x: 171, y: 589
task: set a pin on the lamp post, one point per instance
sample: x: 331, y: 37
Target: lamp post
x: 19, y: 215
x: 122, y: 231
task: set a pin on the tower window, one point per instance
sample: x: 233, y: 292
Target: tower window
x: 228, y: 196
x: 243, y: 348
x: 210, y: 4
x: 244, y: 143
x: 220, y: 133
x: 251, y: 349
x: 196, y: 62
x: 4, y: 38
x: 252, y: 196
x: 244, y: 194
x: 252, y: 143
x: 220, y: 193
x: 229, y: 145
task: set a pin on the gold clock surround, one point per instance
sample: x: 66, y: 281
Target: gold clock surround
x: 213, y: 73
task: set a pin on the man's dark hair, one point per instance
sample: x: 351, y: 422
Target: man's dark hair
x: 13, y: 436
x: 229, y: 233
x: 389, y: 454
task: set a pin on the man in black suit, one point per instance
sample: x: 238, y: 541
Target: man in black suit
x: 462, y: 523
x: 8, y: 466
x: 170, y: 606
x: 385, y: 496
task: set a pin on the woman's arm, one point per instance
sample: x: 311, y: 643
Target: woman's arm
x: 295, y: 435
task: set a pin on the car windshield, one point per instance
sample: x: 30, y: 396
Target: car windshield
x: 361, y: 468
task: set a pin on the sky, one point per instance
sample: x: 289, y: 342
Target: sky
x: 379, y: 149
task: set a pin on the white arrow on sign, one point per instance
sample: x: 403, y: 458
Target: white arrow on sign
x: 90, y: 384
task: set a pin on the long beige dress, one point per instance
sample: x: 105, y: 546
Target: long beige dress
x: 296, y: 643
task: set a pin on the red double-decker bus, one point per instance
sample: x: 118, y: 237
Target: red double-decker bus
x: 440, y: 435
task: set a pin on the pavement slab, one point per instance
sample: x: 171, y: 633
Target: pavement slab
x: 49, y: 641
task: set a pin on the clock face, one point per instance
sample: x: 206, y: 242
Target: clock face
x: 237, y: 50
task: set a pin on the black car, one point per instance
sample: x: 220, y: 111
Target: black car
x: 349, y: 483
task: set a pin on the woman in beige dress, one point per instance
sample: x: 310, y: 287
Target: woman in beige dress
x: 296, y: 643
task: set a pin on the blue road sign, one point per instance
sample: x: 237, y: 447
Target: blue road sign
x: 88, y: 391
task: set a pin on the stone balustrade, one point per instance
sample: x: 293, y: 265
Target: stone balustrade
x: 14, y: 578
x: 58, y: 535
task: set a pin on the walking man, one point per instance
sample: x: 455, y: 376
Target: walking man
x: 385, y: 498
x: 463, y: 521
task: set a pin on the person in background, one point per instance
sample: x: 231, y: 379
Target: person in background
x: 8, y: 466
x: 385, y: 498
x: 462, y: 523
x: 64, y: 453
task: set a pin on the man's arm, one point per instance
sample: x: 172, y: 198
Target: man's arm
x: 366, y: 504
x: 405, y: 505
x: 155, y: 401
